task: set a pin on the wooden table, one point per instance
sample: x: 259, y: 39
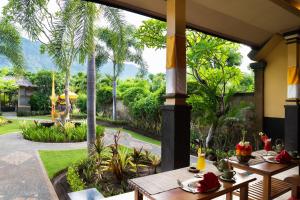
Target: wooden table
x: 164, y: 186
x: 268, y: 188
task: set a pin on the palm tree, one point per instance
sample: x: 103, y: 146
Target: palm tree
x: 118, y: 52
x: 67, y: 35
x: 10, y: 44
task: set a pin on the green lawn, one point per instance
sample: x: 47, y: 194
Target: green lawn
x: 55, y: 161
x: 10, y: 127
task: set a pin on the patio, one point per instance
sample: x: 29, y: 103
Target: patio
x: 270, y: 27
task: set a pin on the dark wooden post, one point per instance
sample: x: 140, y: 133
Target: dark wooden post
x: 175, y: 113
x: 292, y: 108
x: 259, y: 68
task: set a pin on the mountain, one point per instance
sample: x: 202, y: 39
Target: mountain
x: 35, y: 61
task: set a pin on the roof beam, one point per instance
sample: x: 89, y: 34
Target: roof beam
x: 291, y: 6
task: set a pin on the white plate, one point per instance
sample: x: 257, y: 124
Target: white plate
x: 190, y: 185
x: 271, y: 159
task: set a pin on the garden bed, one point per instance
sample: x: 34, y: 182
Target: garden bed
x: 69, y: 132
x: 110, y: 167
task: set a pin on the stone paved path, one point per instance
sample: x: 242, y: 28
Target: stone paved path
x: 22, y: 176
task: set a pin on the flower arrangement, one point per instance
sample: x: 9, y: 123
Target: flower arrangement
x: 243, y: 150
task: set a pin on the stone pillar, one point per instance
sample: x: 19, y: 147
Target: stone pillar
x: 292, y: 109
x: 259, y: 69
x: 175, y: 128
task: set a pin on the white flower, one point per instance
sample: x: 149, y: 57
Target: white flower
x: 260, y: 133
x: 241, y: 143
x: 247, y: 143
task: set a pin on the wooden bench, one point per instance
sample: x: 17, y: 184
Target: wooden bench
x: 295, y: 182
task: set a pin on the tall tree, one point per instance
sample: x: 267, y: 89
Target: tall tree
x: 118, y: 52
x: 10, y: 44
x: 211, y: 62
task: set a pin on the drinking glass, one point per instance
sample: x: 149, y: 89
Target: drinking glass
x: 201, y: 162
x: 268, y: 146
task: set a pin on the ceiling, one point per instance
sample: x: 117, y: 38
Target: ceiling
x: 252, y: 22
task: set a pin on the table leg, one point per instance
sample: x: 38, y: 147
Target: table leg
x: 267, y: 187
x: 229, y: 196
x: 138, y: 195
x: 244, y: 192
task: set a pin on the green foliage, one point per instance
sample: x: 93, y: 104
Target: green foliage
x: 134, y: 94
x: 81, y: 102
x: 104, y: 96
x: 79, y: 83
x: 119, y: 46
x: 23, y: 113
x: 3, y: 121
x: 74, y: 180
x: 113, y: 122
x: 6, y: 85
x: 99, y: 131
x: 151, y: 34
x: 10, y: 47
x: 246, y: 83
x: 40, y: 99
x: 68, y: 133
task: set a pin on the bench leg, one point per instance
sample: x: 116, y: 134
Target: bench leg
x: 138, y: 195
x: 244, y: 192
x: 229, y: 196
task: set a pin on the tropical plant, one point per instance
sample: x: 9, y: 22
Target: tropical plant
x: 137, y: 157
x: 10, y: 44
x: 118, y: 51
x: 212, y: 63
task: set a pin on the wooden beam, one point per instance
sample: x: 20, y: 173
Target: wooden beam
x: 291, y: 6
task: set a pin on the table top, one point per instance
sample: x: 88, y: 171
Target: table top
x: 264, y: 168
x: 164, y: 185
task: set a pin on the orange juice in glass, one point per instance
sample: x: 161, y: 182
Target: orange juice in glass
x: 201, y: 160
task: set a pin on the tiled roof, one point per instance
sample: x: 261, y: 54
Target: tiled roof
x: 20, y: 81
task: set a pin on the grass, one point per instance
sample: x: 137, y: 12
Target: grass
x: 140, y: 137
x: 15, y: 125
x: 55, y: 161
x: 10, y: 127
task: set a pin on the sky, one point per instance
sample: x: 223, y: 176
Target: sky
x: 156, y: 59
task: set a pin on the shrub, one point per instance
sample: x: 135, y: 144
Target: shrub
x: 113, y: 122
x: 133, y: 94
x: 104, y: 95
x: 99, y: 131
x: 74, y: 180
x: 3, y: 121
x: 81, y: 102
x: 68, y: 133
x: 23, y: 113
